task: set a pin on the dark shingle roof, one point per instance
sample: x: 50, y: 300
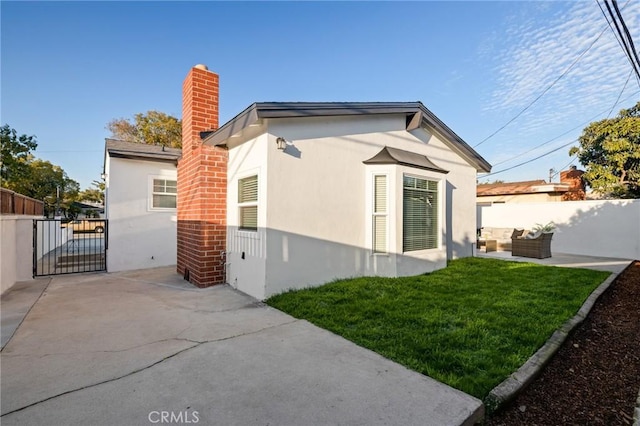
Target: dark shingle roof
x: 140, y: 151
x: 416, y: 113
x: 390, y: 155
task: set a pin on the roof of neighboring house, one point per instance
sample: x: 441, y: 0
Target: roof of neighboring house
x: 87, y: 205
x: 524, y: 187
x: 417, y: 116
x: 140, y: 151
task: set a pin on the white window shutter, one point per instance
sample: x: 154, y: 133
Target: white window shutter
x: 380, y: 209
x: 248, y: 203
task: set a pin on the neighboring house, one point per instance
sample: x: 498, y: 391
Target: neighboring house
x: 288, y: 195
x: 570, y: 188
x: 140, y: 205
x: 88, y: 209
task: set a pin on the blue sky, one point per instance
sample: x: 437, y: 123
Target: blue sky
x: 68, y: 68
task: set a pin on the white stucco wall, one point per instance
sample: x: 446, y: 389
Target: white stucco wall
x: 608, y: 228
x: 317, y: 208
x: 138, y: 236
x: 247, y: 250
x: 16, y: 249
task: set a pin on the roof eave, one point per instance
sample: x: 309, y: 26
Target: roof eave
x: 429, y: 119
x: 417, y: 116
x: 238, y: 123
x: 262, y: 110
x: 133, y: 156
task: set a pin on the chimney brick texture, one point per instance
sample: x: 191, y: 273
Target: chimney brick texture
x: 202, y: 185
x: 576, y: 191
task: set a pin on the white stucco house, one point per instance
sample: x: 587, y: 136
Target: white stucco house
x: 140, y: 205
x: 288, y: 195
x: 341, y: 190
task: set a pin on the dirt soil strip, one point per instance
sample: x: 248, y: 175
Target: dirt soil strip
x: 595, y: 376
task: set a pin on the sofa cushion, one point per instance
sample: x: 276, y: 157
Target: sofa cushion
x: 517, y: 233
x: 533, y: 235
x: 486, y: 233
x: 500, y: 234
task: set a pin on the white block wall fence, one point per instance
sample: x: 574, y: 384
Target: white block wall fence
x: 607, y: 228
x: 16, y: 249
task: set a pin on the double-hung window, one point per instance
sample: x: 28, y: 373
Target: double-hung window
x: 164, y: 193
x: 248, y: 203
x: 420, y: 214
x: 380, y: 211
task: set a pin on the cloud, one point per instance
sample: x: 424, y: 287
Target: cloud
x: 535, y: 51
x: 537, y: 44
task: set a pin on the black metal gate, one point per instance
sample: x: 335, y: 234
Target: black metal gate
x: 68, y: 248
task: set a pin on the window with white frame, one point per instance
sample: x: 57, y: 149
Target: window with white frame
x: 380, y: 211
x: 420, y: 214
x: 164, y: 193
x: 248, y: 203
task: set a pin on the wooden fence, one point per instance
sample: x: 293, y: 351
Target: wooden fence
x: 14, y: 203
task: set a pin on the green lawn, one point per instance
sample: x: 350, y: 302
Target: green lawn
x: 469, y: 325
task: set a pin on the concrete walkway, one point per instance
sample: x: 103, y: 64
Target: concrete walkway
x: 565, y: 260
x: 136, y: 348
x: 16, y: 304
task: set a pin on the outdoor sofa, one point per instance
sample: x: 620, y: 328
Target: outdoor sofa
x: 502, y: 236
x: 520, y: 242
x: 538, y: 247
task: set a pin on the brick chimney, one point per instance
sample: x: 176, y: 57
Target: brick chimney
x: 573, y: 177
x: 202, y: 184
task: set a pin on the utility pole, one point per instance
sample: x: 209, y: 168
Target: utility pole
x: 552, y: 173
x: 57, y: 213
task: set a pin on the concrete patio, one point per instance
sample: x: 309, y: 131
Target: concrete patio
x: 130, y: 348
x: 565, y: 260
x: 122, y: 348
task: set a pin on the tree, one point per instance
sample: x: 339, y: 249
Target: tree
x: 94, y: 195
x: 15, y: 154
x: 610, y: 151
x: 23, y: 173
x: 49, y: 183
x: 152, y: 128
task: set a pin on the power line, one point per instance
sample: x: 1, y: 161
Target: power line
x: 553, y: 150
x: 626, y: 31
x: 543, y: 144
x: 570, y: 130
x: 544, y: 91
x: 564, y: 167
x: 575, y: 156
x: 620, y: 94
x: 617, y: 34
x: 531, y: 160
x: 624, y: 42
x: 634, y: 68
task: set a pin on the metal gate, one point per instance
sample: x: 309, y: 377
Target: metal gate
x: 68, y: 248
